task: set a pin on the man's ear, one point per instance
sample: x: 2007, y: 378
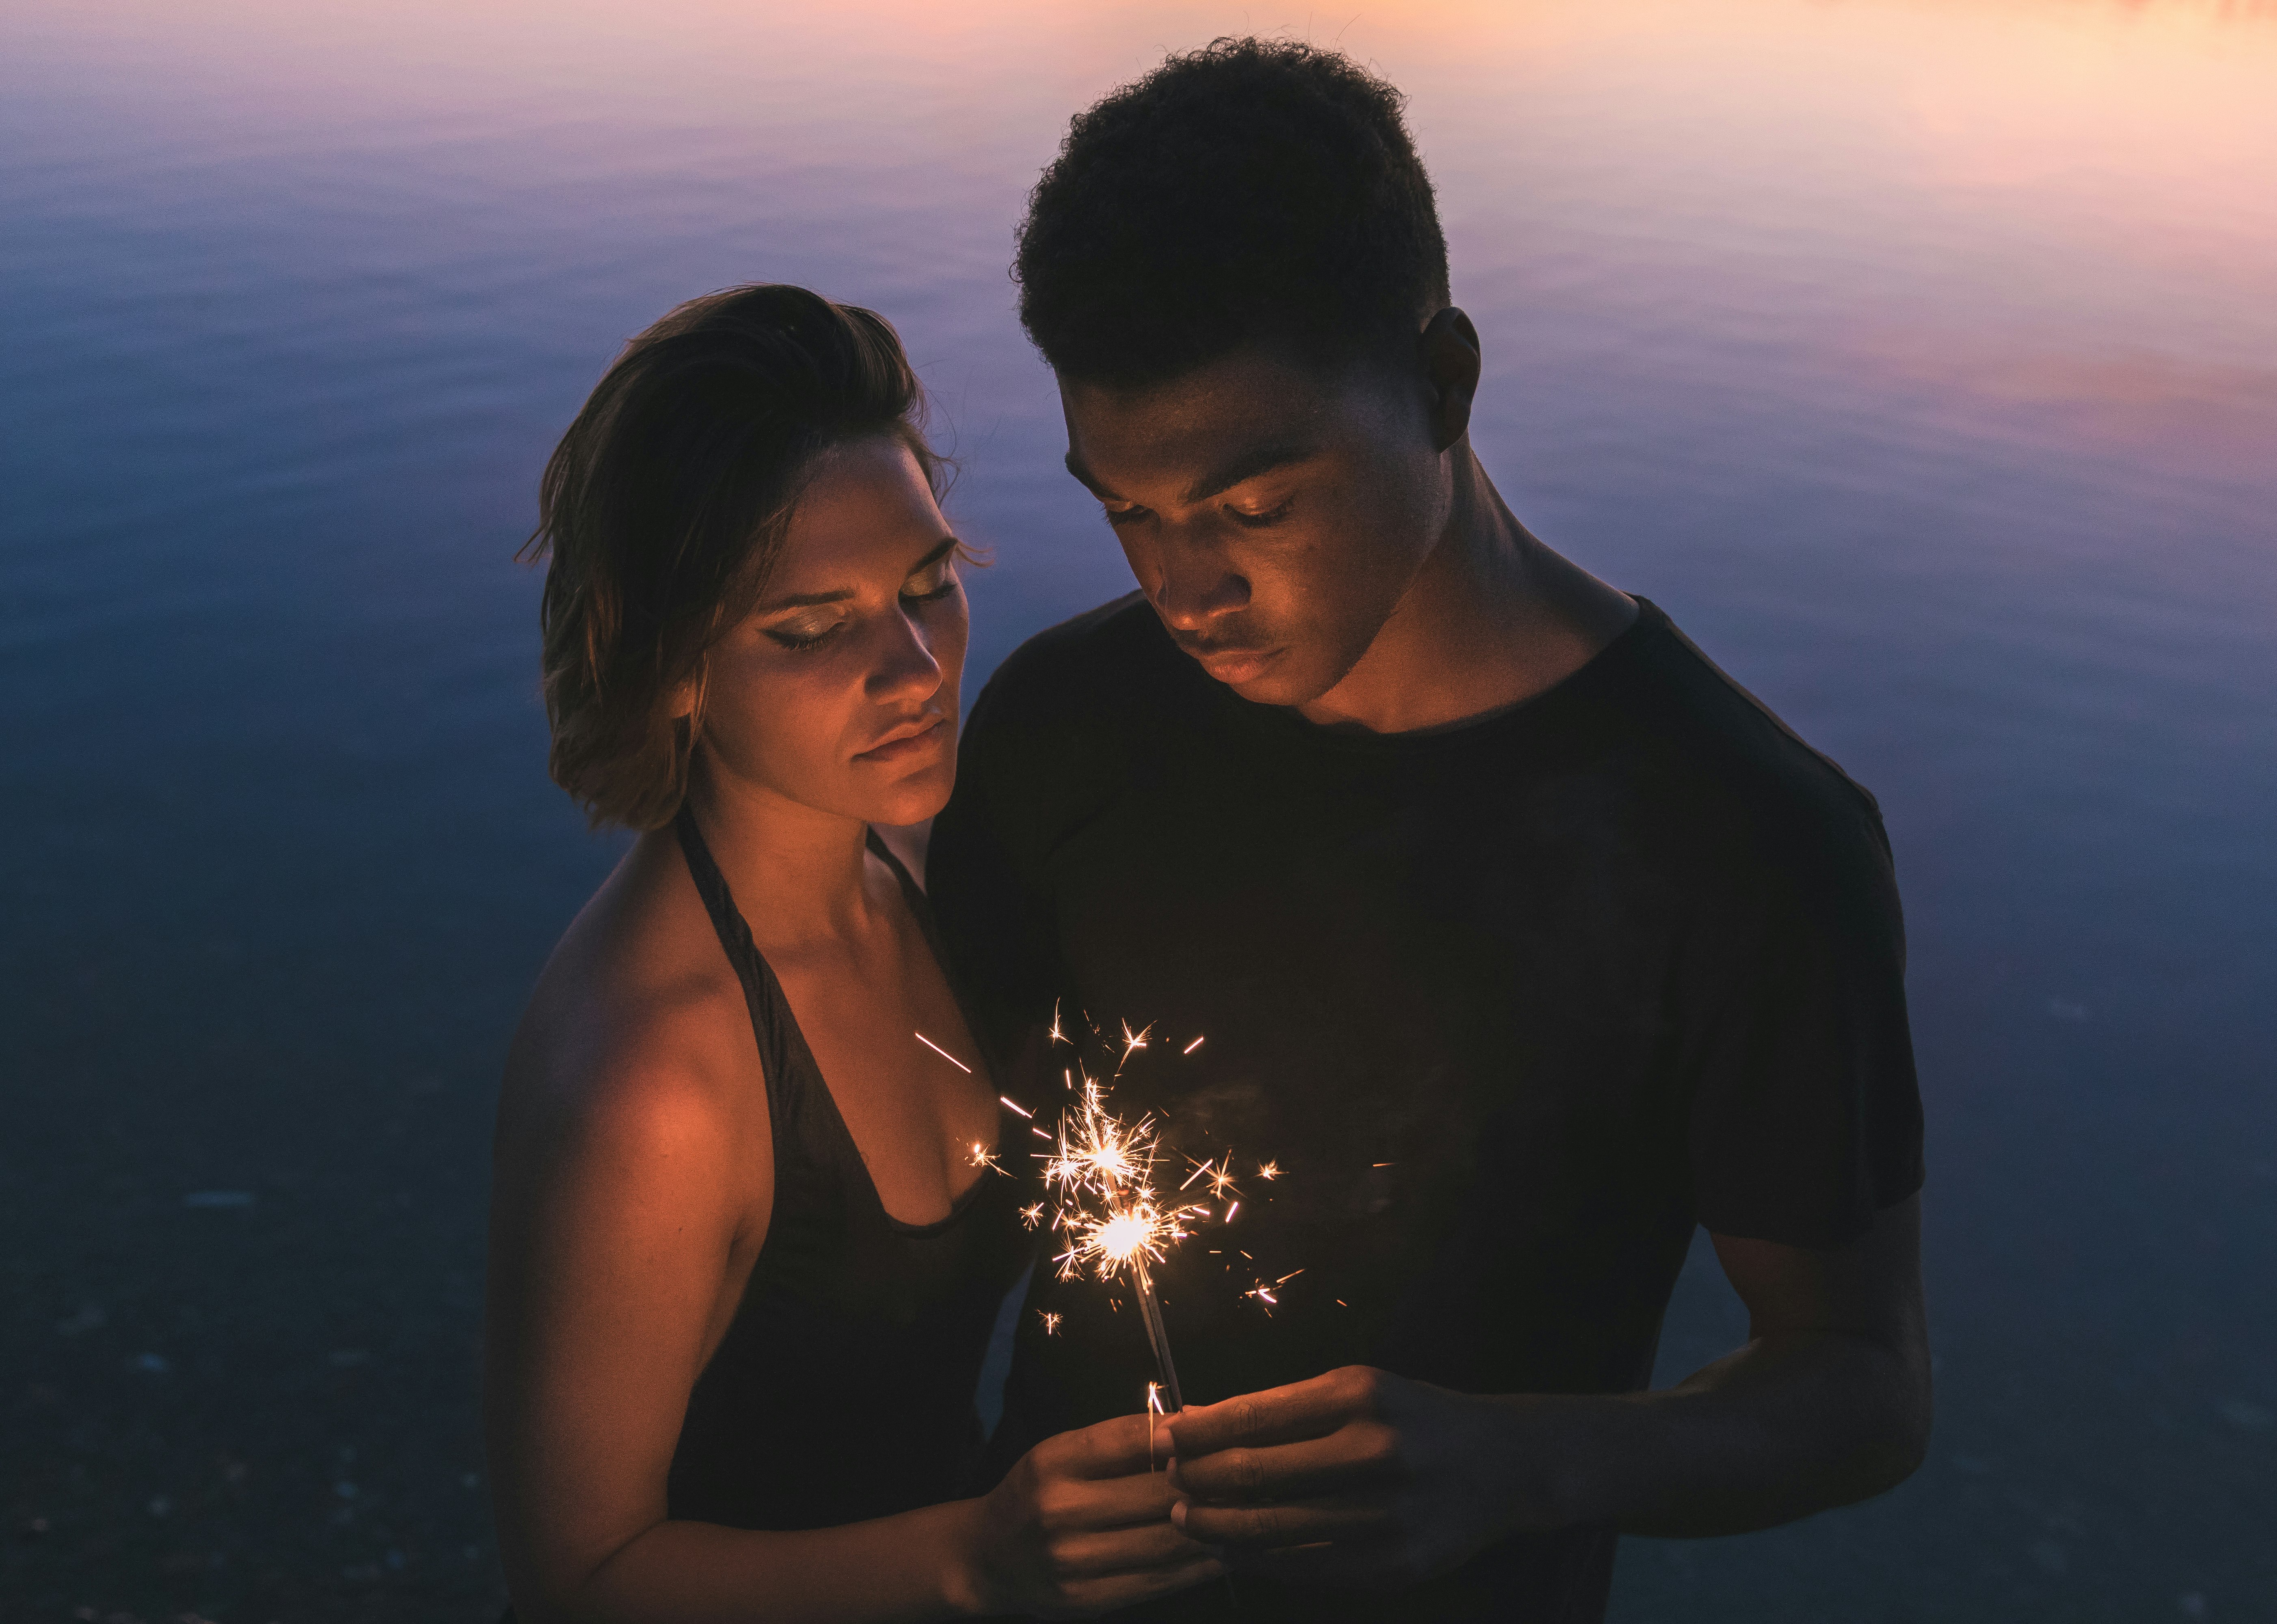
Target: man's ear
x: 1449, y: 352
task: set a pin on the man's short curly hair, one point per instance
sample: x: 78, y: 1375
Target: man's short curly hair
x: 665, y: 503
x: 1253, y: 191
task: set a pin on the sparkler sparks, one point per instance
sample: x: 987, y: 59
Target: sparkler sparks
x: 982, y: 1156
x: 943, y: 1053
x: 1051, y: 1321
x: 1102, y: 1169
x: 1109, y: 1214
x: 1132, y: 1042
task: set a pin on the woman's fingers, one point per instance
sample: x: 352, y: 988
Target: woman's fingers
x: 1112, y: 1503
x: 1147, y: 1549
x: 1128, y: 1589
x: 1113, y: 1448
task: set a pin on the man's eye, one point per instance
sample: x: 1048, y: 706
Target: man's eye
x: 1125, y: 515
x: 1258, y: 521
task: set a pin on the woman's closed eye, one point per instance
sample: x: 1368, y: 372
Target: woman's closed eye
x: 811, y: 631
x: 933, y: 583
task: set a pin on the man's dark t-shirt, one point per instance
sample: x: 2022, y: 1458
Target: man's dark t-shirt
x: 1512, y: 1005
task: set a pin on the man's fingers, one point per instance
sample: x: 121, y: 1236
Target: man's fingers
x: 1368, y: 1564
x: 1252, y: 1528
x: 1357, y: 1453
x: 1278, y: 1415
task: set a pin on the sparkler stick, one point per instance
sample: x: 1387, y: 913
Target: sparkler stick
x: 1150, y: 1309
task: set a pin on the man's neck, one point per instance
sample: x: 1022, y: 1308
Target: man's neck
x: 1492, y: 618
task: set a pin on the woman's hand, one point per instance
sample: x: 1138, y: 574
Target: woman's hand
x: 1081, y: 1525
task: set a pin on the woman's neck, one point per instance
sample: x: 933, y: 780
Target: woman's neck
x: 798, y: 874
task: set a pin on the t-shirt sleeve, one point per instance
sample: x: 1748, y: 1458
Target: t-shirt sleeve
x: 984, y: 876
x: 1805, y: 1116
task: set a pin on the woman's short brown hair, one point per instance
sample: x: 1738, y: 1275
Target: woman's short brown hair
x: 665, y: 503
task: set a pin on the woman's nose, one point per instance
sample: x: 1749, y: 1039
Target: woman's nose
x: 906, y: 670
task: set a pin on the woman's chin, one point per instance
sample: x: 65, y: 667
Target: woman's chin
x: 915, y: 797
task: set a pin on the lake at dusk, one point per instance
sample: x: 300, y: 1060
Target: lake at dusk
x: 1918, y: 356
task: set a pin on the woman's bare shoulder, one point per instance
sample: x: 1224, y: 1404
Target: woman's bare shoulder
x: 637, y: 1032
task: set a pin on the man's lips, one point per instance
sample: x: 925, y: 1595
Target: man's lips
x: 907, y: 739
x: 1234, y: 665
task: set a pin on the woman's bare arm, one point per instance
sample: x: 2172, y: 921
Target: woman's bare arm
x: 615, y: 1219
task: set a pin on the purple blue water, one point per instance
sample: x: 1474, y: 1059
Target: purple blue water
x: 1919, y: 355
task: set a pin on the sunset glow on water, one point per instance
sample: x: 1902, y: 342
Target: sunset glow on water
x: 1919, y: 356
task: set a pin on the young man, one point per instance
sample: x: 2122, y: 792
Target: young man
x: 1523, y: 939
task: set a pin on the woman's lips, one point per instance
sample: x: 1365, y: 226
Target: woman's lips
x: 930, y: 737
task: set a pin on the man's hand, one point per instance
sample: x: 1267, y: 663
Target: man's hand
x: 1359, y: 1477
x: 1081, y: 1525
x: 1362, y: 1477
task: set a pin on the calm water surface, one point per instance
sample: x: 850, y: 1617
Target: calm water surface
x: 1920, y: 358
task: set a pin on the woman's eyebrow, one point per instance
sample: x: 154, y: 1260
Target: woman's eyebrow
x: 807, y: 600
x: 804, y: 600
x: 935, y: 554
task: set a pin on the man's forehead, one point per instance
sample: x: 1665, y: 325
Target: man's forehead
x: 1226, y: 412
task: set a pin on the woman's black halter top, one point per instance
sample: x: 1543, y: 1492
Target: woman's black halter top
x: 843, y: 1389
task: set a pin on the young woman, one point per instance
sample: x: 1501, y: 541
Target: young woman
x: 747, y: 1245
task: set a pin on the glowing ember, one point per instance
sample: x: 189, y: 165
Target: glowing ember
x: 1051, y: 1321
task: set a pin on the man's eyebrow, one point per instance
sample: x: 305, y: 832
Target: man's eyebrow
x: 1248, y: 465
x: 807, y: 600
x: 1257, y: 460
x: 1083, y: 477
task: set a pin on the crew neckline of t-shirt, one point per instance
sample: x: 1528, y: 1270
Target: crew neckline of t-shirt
x: 1286, y: 722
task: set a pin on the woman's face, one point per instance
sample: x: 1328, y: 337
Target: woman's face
x: 838, y: 691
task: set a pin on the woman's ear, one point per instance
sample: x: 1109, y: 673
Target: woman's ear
x: 680, y: 705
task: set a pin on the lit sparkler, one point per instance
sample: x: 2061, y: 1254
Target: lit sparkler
x: 1102, y: 1169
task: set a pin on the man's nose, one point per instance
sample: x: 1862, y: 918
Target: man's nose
x: 1196, y: 586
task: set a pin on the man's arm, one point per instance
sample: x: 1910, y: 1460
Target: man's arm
x: 1362, y: 1476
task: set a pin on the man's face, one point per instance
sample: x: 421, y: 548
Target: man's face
x: 1274, y: 513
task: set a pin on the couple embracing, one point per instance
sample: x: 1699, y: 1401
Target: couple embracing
x: 1524, y: 941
